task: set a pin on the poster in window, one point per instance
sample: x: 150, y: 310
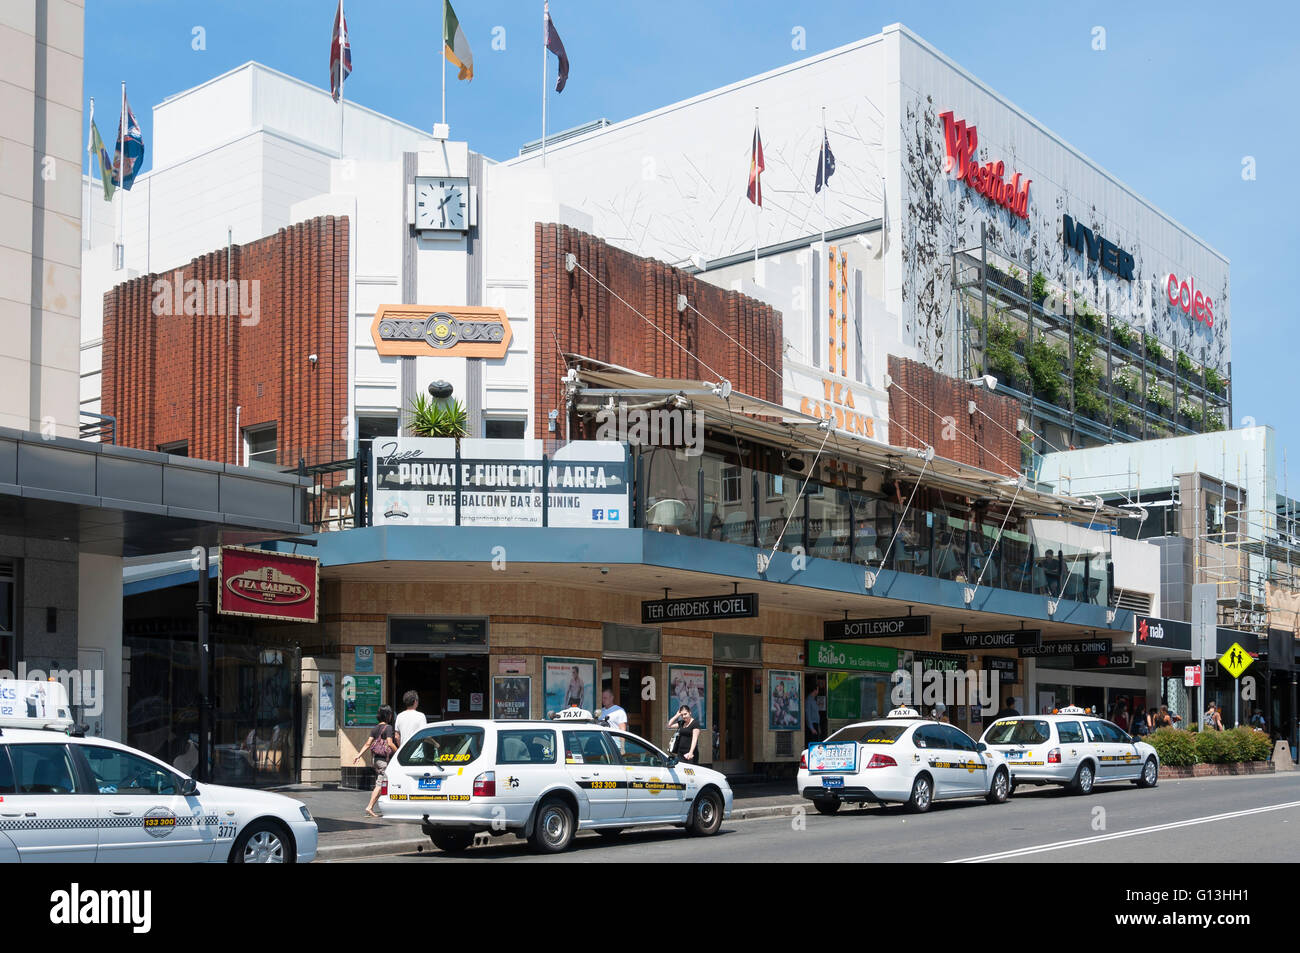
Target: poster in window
x: 325, y: 704
x: 688, y: 685
x: 511, y: 696
x: 361, y: 699
x: 569, y: 682
x: 783, y: 701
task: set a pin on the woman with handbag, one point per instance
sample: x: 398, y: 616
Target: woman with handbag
x: 382, y: 746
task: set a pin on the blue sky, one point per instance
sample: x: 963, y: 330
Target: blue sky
x: 1181, y: 95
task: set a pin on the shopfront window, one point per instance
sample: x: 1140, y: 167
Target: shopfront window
x: 7, y: 634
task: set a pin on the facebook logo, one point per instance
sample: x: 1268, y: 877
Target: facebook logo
x: 597, y: 515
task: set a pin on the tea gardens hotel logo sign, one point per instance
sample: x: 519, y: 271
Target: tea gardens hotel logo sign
x: 961, y: 143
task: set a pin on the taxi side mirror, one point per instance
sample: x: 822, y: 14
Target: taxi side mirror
x: 981, y: 746
x: 672, y: 761
x: 189, y: 787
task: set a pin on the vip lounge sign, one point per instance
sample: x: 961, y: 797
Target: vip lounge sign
x: 741, y: 605
x: 899, y: 627
x: 412, y: 330
x: 419, y: 482
x: 1009, y: 639
x: 266, y: 585
x: 961, y: 143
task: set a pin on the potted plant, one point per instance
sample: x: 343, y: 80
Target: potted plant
x: 1128, y: 383
x: 438, y: 418
x: 1038, y: 287
x: 1124, y: 337
x: 1001, y: 349
x: 1151, y: 345
x: 1214, y: 381
x: 1046, y: 369
x: 1185, y: 367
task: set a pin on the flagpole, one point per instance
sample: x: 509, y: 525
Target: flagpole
x: 343, y: 41
x: 546, y: 15
x: 121, y: 178
x: 758, y: 194
x: 444, y: 61
x: 90, y: 149
x: 826, y: 179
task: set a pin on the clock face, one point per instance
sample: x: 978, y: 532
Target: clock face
x: 441, y: 204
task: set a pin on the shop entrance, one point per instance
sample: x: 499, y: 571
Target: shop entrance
x: 732, y: 707
x: 451, y: 686
x: 623, y: 680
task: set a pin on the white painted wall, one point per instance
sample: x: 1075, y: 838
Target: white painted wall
x: 99, y: 626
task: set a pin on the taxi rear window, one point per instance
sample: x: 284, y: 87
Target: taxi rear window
x: 869, y: 734
x: 1018, y: 732
x: 1069, y: 731
x: 447, y: 745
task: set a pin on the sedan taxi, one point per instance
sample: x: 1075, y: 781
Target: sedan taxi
x: 901, y: 758
x: 65, y: 798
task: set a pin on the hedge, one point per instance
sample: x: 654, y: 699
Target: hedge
x: 1179, y: 748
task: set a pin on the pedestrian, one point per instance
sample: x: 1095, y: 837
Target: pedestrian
x: 812, y: 717
x: 615, y: 715
x: 381, y: 747
x: 409, y: 721
x: 1121, y: 715
x: 1141, y: 722
x: 1007, y: 710
x: 1213, y: 720
x: 688, y: 733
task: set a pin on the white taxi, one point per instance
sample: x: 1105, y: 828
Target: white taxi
x: 71, y: 799
x: 1073, y: 748
x: 901, y: 758
x: 545, y: 780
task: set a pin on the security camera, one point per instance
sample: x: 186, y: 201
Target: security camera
x: 865, y: 242
x: 313, y: 358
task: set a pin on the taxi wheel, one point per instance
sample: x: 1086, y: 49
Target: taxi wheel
x: 1083, y: 779
x: 922, y: 794
x: 1000, y: 789
x: 553, y: 829
x: 452, y: 842
x: 706, y: 815
x: 1150, y: 774
x: 262, y: 843
x: 827, y: 805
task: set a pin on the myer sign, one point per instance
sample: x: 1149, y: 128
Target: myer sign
x: 419, y: 481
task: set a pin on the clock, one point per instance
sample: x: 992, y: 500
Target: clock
x: 442, y: 204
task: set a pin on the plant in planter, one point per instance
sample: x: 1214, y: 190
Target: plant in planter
x: 1191, y: 411
x: 1026, y: 449
x: 1177, y: 748
x: 1152, y: 346
x: 1046, y: 369
x: 1128, y: 381
x: 1124, y: 337
x: 1214, y: 381
x: 1001, y: 352
x: 1185, y: 367
x: 1087, y: 378
x: 1038, y: 287
x: 1122, y: 419
x: 438, y: 418
x: 1086, y: 317
x: 1214, y: 423
x: 1160, y: 398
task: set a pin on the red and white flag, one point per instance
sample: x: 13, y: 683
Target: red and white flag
x: 756, y: 167
x: 340, y: 54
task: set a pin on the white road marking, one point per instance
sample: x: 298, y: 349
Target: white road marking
x: 1083, y: 841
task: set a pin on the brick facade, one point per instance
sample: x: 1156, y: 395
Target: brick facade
x: 178, y: 360
x: 923, y: 399
x: 575, y: 315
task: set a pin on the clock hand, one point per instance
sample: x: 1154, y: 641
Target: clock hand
x: 446, y: 200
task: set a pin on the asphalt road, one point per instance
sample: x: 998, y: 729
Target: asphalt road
x: 1227, y: 820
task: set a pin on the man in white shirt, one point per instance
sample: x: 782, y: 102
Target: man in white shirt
x: 614, y: 714
x: 410, y: 720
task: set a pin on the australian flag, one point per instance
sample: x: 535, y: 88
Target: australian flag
x: 133, y: 139
x: 340, y: 54
x: 825, y: 165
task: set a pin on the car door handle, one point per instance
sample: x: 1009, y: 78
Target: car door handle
x: 122, y: 813
x: 16, y: 814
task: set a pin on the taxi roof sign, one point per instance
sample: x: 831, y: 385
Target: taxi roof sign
x: 1071, y: 710
x: 903, y: 712
x: 572, y: 713
x: 31, y: 704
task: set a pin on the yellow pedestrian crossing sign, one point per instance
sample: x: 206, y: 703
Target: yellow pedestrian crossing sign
x: 1236, y: 660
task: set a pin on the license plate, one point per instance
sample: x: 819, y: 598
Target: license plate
x: 430, y: 784
x: 1015, y: 754
x: 833, y: 782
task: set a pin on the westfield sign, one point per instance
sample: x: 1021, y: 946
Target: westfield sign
x: 961, y: 142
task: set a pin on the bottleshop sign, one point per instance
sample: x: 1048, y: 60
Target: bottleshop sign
x: 853, y: 658
x: 905, y: 626
x: 961, y: 143
x: 266, y: 585
x: 499, y: 483
x: 1067, y: 647
x: 740, y: 605
x: 1008, y: 639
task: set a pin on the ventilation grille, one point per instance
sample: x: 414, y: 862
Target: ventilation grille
x: 785, y: 744
x: 1139, y: 602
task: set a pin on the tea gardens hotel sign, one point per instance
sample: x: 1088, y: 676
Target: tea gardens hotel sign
x: 433, y: 482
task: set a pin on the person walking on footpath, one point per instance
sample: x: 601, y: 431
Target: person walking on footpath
x: 1141, y: 722
x: 812, y: 716
x: 688, y: 734
x: 410, y: 720
x: 382, y: 747
x: 1213, y: 720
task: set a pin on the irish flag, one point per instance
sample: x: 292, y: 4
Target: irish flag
x: 454, y: 45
